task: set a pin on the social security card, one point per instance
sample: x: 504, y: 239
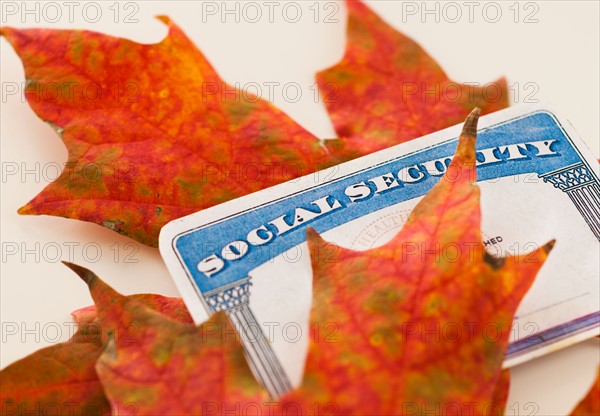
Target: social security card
x: 538, y: 182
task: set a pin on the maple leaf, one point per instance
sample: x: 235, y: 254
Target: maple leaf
x: 590, y: 404
x: 36, y: 383
x: 168, y: 367
x: 388, y: 90
x: 154, y: 134
x: 152, y: 131
x: 423, y: 322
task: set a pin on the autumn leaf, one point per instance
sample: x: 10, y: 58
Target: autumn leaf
x: 388, y: 90
x: 423, y: 322
x: 590, y: 404
x: 152, y: 131
x: 166, y: 367
x: 36, y: 383
x: 154, y: 134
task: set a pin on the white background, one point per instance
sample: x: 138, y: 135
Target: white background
x: 555, y: 59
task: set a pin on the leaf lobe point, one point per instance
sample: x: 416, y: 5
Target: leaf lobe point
x: 25, y: 210
x: 549, y: 246
x: 85, y: 274
x: 494, y: 262
x: 470, y: 126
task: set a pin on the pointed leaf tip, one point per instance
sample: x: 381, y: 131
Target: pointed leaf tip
x: 313, y: 237
x: 26, y: 210
x: 165, y: 19
x: 549, y: 246
x: 311, y: 233
x: 466, y: 143
x: 85, y: 274
x: 470, y: 126
x: 5, y: 31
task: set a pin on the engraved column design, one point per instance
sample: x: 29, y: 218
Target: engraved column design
x: 582, y: 186
x: 234, y: 299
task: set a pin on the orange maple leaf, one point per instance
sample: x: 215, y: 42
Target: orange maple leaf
x: 154, y: 134
x: 163, y: 366
x: 36, y: 383
x: 152, y: 131
x: 388, y: 90
x: 424, y: 321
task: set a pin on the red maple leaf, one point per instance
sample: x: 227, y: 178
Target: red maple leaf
x: 153, y: 133
x: 388, y: 90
